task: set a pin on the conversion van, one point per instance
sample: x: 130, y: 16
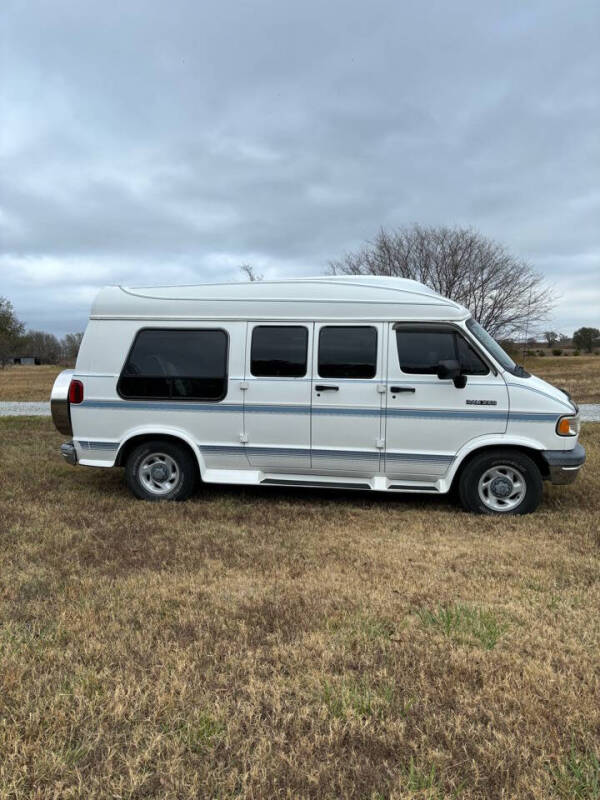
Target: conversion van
x: 347, y: 382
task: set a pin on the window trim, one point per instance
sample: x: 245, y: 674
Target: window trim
x: 145, y: 398
x: 346, y: 325
x: 280, y: 325
x: 444, y: 327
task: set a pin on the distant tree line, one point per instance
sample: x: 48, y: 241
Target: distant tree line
x: 586, y: 339
x: 16, y: 341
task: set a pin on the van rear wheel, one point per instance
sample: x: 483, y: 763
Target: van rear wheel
x: 161, y: 470
x: 501, y: 482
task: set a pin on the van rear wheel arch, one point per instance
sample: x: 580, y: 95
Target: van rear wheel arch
x: 163, y: 468
x: 130, y: 444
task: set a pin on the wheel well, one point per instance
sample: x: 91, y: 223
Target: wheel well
x: 132, y: 443
x: 534, y: 455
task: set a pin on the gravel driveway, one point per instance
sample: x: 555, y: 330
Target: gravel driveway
x: 590, y: 412
x: 24, y: 409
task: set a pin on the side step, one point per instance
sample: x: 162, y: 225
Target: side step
x: 314, y: 484
x: 408, y: 487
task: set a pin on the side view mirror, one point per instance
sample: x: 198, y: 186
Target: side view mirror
x: 451, y: 370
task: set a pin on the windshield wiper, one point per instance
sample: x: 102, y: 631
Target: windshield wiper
x: 520, y: 372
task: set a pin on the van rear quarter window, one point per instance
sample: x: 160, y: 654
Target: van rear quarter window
x: 168, y: 364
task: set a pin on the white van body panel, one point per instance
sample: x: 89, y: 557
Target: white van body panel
x: 284, y: 430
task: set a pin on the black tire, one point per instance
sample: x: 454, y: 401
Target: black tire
x: 161, y: 457
x: 510, y: 464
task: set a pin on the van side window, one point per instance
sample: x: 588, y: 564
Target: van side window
x: 279, y: 351
x: 347, y: 352
x: 176, y: 365
x: 421, y: 350
x: 468, y: 359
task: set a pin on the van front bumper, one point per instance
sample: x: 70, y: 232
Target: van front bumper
x: 68, y: 452
x: 564, y: 465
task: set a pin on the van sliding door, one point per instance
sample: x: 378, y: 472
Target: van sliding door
x: 347, y: 399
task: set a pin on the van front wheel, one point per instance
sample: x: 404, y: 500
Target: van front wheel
x: 502, y: 482
x: 161, y: 470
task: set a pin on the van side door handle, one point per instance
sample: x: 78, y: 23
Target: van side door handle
x: 398, y: 389
x: 324, y: 387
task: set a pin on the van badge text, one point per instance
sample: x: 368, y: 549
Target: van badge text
x: 482, y: 402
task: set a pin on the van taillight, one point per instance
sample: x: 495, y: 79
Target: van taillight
x: 76, y: 392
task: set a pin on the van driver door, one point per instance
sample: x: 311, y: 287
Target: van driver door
x: 428, y: 420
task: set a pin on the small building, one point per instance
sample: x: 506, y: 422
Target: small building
x: 24, y: 360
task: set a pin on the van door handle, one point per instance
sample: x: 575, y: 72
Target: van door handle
x: 398, y: 389
x: 323, y: 387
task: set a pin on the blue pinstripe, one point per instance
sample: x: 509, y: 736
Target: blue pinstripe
x: 356, y: 411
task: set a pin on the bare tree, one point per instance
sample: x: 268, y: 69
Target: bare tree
x: 551, y: 337
x: 69, y: 346
x: 502, y: 292
x: 250, y: 273
x: 11, y: 329
x: 42, y: 345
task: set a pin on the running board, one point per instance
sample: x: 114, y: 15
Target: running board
x: 408, y: 487
x: 314, y: 484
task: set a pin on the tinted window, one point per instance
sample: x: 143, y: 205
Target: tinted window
x: 346, y: 352
x: 469, y: 360
x: 176, y: 364
x: 420, y: 351
x: 491, y: 345
x: 279, y: 351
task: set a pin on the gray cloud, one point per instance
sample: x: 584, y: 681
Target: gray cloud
x: 173, y: 141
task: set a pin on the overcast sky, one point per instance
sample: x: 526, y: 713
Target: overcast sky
x: 170, y: 142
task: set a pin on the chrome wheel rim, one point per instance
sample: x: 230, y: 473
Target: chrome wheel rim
x: 502, y: 488
x: 158, y: 473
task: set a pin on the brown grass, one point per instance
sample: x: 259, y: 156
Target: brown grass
x: 27, y: 383
x: 279, y: 644
x: 579, y: 375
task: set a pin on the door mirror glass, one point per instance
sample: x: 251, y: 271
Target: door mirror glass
x: 448, y: 369
x: 451, y: 370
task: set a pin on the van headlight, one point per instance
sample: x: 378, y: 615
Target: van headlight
x: 568, y: 426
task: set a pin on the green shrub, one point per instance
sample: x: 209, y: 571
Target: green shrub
x: 577, y: 353
x: 557, y: 351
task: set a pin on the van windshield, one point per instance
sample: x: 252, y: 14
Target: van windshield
x: 492, y: 346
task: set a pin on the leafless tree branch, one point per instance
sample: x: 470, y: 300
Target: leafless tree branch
x: 502, y: 292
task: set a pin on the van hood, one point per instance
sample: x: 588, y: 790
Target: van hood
x: 541, y: 387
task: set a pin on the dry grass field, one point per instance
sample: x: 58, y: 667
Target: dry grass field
x: 285, y: 644
x: 27, y: 383
x: 580, y: 375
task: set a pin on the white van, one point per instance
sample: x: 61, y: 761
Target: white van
x: 346, y: 382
